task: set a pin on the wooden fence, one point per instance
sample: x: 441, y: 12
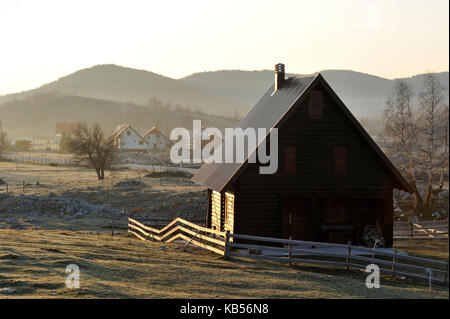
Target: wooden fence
x: 38, y: 159
x: 421, y: 229
x: 295, y: 251
x: 290, y: 251
x: 179, y: 228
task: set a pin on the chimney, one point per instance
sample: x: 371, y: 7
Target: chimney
x: 279, y: 75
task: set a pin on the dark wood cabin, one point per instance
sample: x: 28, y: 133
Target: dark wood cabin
x: 332, y: 179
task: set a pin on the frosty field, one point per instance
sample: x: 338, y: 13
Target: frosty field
x: 66, y: 219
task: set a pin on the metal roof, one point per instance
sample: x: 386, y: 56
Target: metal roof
x: 267, y: 113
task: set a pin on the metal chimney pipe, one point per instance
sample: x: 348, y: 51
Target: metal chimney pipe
x: 279, y: 75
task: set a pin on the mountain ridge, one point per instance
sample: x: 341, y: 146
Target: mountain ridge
x: 224, y: 92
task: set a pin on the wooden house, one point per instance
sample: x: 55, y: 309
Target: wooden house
x: 332, y: 182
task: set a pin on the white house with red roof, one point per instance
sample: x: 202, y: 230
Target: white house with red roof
x: 155, y: 140
x: 128, y: 140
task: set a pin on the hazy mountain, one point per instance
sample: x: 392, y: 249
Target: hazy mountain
x: 112, y: 82
x: 364, y: 94
x: 109, y: 94
x: 40, y: 112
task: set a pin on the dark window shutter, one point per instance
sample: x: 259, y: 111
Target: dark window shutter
x: 315, y: 105
x: 290, y: 159
x: 340, y: 160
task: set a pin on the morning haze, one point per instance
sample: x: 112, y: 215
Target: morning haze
x: 215, y: 150
x: 178, y: 38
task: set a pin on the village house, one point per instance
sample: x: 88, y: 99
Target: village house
x: 156, y: 141
x: 333, y: 182
x: 128, y: 140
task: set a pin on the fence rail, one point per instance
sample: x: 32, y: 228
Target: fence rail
x: 349, y: 256
x: 391, y: 262
x: 38, y: 159
x: 179, y: 228
x: 421, y: 229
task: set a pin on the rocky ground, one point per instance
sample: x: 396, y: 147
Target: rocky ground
x: 69, y: 198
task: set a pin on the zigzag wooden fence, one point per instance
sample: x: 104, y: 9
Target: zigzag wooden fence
x: 432, y: 229
x: 179, y: 228
x: 390, y: 262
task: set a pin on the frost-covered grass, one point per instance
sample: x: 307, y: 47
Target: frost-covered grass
x: 32, y: 265
x: 33, y: 257
x: 425, y: 248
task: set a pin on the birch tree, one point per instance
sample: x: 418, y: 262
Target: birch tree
x: 431, y: 102
x: 401, y: 128
x: 444, y: 148
x: 3, y: 140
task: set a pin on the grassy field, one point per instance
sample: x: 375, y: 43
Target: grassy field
x: 37, y: 242
x: 426, y: 248
x: 32, y: 264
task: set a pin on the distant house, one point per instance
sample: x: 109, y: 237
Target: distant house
x: 128, y: 140
x: 65, y: 128
x: 333, y: 182
x: 156, y: 141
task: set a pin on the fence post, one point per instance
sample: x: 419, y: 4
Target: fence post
x: 447, y: 225
x: 289, y: 249
x: 374, y: 246
x: 198, y: 231
x: 394, y: 260
x: 446, y: 271
x: 411, y: 227
x: 227, y: 243
x: 112, y: 226
x: 347, y: 259
x: 6, y: 187
x: 23, y: 186
x: 430, y: 277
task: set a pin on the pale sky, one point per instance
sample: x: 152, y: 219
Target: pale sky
x: 43, y: 40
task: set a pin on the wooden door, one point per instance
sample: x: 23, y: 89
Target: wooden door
x: 294, y: 218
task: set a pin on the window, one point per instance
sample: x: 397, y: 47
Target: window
x: 141, y: 142
x: 290, y: 159
x: 128, y: 133
x: 315, y: 105
x: 340, y: 160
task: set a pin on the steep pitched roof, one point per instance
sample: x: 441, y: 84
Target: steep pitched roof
x: 119, y: 131
x: 153, y: 130
x: 264, y: 115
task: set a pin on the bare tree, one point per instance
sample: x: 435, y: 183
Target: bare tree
x: 431, y: 102
x: 92, y: 145
x: 401, y: 127
x: 3, y: 140
x: 443, y: 137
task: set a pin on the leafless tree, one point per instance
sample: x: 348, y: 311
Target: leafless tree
x: 91, y: 144
x: 3, y: 140
x: 431, y: 102
x: 443, y: 138
x: 401, y: 127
